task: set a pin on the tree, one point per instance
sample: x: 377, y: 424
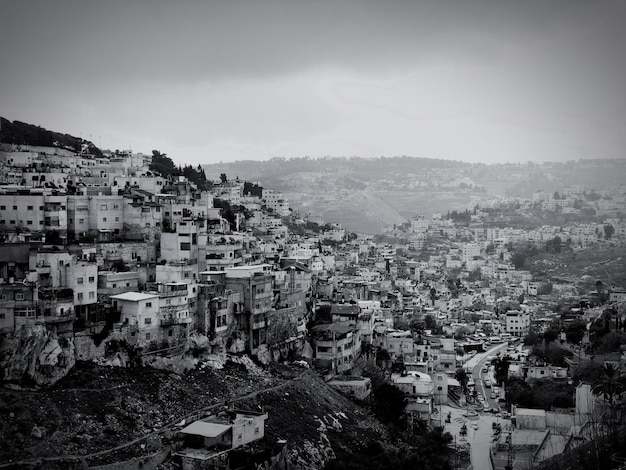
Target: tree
x: 461, y: 375
x: 429, y: 322
x: 389, y: 403
x: 501, y: 369
x: 223, y: 178
x: 610, y: 383
x: 609, y: 230
x: 554, y: 245
x: 518, y: 259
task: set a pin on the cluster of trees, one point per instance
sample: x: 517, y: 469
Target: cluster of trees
x: 422, y: 447
x: 460, y: 217
x: 544, y: 393
x: 21, y: 133
x: 428, y: 450
x: 164, y: 165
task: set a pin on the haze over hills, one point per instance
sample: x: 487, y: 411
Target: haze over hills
x: 366, y: 195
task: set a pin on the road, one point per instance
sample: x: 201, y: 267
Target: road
x: 480, y: 435
x: 475, y: 364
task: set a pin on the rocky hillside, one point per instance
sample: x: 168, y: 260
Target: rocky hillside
x: 97, y: 415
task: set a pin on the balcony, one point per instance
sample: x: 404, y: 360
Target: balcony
x: 173, y: 293
x: 175, y: 321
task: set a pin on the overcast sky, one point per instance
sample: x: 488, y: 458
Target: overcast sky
x: 210, y: 81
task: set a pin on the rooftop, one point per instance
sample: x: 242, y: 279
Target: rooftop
x: 134, y: 296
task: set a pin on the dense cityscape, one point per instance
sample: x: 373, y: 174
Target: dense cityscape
x: 188, y: 311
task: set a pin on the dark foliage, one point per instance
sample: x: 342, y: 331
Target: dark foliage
x: 389, y: 402
x: 252, y: 189
x: 21, y: 133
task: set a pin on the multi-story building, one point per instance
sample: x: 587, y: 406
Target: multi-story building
x: 517, y: 323
x: 254, y: 283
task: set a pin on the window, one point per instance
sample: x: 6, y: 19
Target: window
x: 117, y: 219
x: 147, y: 335
x: 103, y: 207
x: 92, y: 295
x: 92, y: 278
x: 79, y: 280
x: 81, y: 221
x: 114, y: 285
x: 148, y: 304
x: 3, y: 208
x: 29, y: 208
x: 115, y: 206
x: 29, y: 222
x: 104, y: 219
x: 40, y: 208
x: 170, y: 333
x: 147, y: 321
x: 19, y: 296
x: 80, y: 296
x: 14, y: 208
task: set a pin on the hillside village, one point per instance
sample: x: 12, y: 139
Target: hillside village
x: 106, y: 260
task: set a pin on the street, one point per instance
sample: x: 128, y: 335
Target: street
x: 479, y: 425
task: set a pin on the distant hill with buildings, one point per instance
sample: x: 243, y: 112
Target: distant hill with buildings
x: 365, y: 195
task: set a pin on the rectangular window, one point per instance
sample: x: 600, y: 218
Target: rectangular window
x: 148, y: 304
x: 19, y: 296
x: 79, y: 280
x: 103, y: 207
x: 3, y: 208
x: 147, y: 321
x: 147, y: 335
x: 80, y: 296
x: 104, y: 219
x: 92, y: 295
x: 92, y: 278
x: 30, y: 208
x: 29, y: 222
x: 81, y: 221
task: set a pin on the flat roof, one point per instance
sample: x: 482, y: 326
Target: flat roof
x: 134, y: 296
x: 206, y: 429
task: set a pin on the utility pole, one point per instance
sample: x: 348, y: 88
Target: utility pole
x: 510, y: 453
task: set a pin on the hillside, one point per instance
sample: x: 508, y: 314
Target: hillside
x: 96, y: 409
x: 364, y: 195
x: 21, y: 133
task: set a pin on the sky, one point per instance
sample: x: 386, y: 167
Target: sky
x: 490, y: 81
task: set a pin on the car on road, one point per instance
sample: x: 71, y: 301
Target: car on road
x: 493, y: 395
x: 487, y: 383
x: 485, y: 368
